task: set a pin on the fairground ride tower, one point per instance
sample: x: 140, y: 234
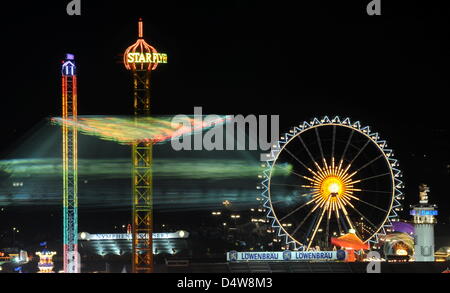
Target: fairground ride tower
x: 424, y: 220
x: 141, y: 59
x: 45, y: 263
x: 70, y: 166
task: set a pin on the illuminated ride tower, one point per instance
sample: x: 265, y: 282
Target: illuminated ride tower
x: 141, y: 58
x: 424, y: 220
x: 70, y: 166
x: 45, y: 263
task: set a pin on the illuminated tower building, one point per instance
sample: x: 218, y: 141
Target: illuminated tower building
x: 45, y: 263
x: 70, y: 166
x: 424, y: 221
x: 141, y: 58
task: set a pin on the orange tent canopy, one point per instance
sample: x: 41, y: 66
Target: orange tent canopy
x: 349, y: 241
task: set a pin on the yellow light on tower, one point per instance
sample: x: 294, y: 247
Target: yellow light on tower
x: 141, y: 59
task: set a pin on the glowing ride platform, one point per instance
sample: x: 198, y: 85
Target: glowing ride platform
x: 128, y: 130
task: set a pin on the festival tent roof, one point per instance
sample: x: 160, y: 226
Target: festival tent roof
x: 349, y: 240
x: 403, y: 227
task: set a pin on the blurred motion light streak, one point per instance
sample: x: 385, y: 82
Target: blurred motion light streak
x: 127, y: 130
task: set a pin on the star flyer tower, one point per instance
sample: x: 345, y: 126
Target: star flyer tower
x: 424, y: 220
x: 70, y: 166
x: 141, y: 59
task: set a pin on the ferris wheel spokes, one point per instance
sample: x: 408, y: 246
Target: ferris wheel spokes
x: 296, y: 210
x: 360, y: 151
x: 337, y: 176
x: 309, y: 153
x: 304, y: 219
x: 346, y: 148
x: 333, y: 144
x: 320, y: 148
x: 367, y: 203
x: 374, y: 191
x: 327, y: 230
x: 281, y: 184
x: 364, y: 217
x: 298, y: 160
x: 372, y: 177
x: 344, y: 211
x: 318, y: 223
x: 370, y: 163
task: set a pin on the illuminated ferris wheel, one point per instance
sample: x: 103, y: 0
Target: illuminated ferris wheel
x: 341, y: 178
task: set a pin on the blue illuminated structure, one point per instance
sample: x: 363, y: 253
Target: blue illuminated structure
x: 424, y: 216
x: 68, y: 67
x: 417, y: 212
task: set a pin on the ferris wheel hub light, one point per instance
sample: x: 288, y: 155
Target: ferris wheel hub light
x: 331, y: 186
x: 334, y: 188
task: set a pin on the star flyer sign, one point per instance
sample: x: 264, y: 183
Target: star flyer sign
x: 287, y: 255
x: 136, y: 57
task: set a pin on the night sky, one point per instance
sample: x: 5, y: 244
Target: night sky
x: 245, y: 57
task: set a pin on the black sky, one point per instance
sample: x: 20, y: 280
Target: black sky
x: 245, y: 57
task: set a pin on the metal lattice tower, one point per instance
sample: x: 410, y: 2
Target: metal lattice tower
x: 142, y: 217
x: 141, y: 59
x: 70, y: 166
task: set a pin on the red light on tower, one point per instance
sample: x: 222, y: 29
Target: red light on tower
x: 70, y: 166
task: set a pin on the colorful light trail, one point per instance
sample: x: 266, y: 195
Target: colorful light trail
x: 127, y: 130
